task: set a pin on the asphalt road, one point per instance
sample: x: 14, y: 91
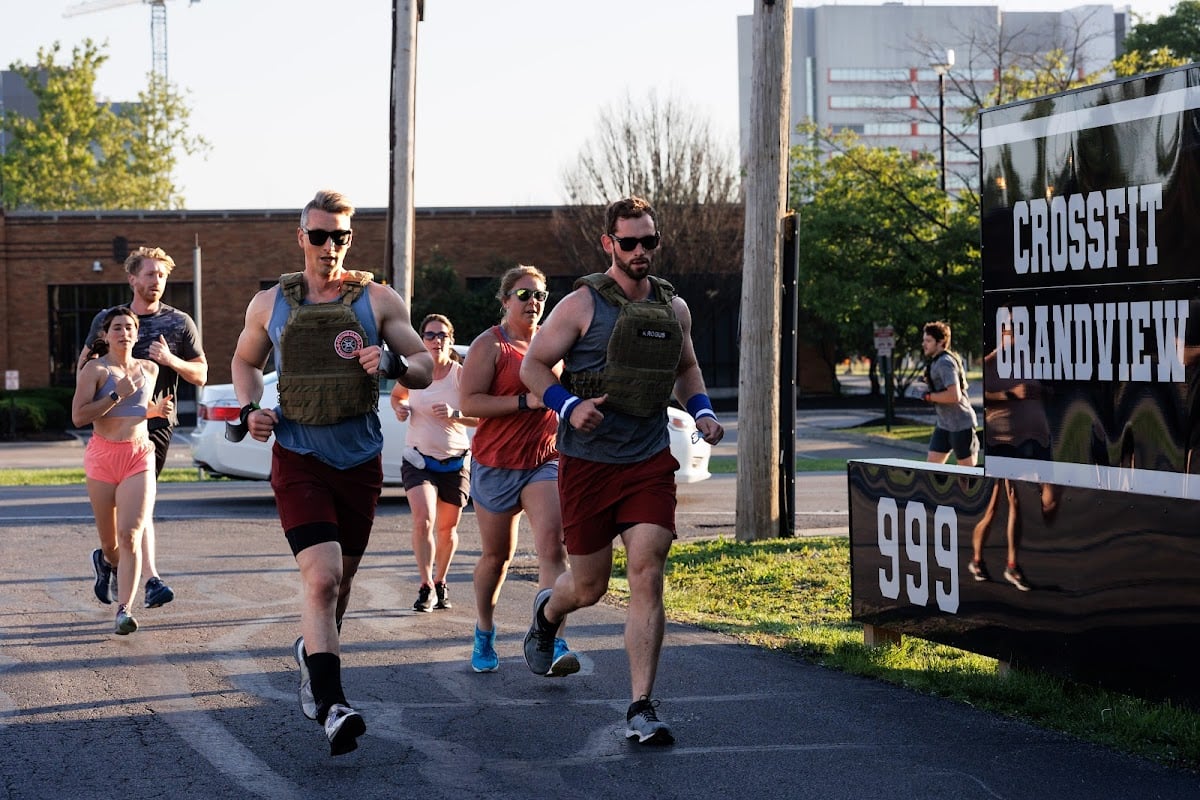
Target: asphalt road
x: 201, y: 701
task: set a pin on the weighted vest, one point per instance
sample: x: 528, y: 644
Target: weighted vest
x: 643, y: 351
x: 320, y: 380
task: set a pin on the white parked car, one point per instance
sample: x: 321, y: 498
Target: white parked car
x: 250, y: 458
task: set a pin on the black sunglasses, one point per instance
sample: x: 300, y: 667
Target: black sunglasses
x: 431, y: 335
x: 627, y: 243
x: 318, y: 237
x: 524, y: 294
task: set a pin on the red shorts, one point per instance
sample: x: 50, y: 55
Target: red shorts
x: 113, y: 462
x: 319, y: 503
x: 600, y: 500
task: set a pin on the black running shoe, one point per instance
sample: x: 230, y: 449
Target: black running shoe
x: 443, y: 596
x: 642, y: 723
x: 104, y: 573
x: 423, y: 603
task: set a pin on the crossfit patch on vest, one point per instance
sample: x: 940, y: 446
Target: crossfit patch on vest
x: 347, y: 343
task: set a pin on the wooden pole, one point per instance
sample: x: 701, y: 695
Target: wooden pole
x: 766, y: 203
x: 401, y: 216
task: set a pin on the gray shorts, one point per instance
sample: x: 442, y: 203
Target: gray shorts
x: 498, y: 490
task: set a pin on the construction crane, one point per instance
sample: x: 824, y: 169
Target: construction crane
x: 158, y: 25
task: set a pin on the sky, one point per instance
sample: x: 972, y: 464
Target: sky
x: 294, y: 95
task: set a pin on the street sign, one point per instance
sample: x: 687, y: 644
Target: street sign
x: 885, y: 339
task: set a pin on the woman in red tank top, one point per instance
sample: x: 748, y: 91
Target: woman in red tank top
x: 515, y: 467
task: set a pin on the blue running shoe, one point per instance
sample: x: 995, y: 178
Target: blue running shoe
x: 483, y: 655
x: 158, y: 593
x: 565, y: 662
x: 104, y: 577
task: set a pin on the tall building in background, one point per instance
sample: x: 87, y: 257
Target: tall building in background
x: 16, y: 98
x: 871, y: 68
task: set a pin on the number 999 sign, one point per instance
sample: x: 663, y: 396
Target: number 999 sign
x: 906, y: 540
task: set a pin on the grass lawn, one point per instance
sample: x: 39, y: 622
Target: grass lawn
x: 794, y: 595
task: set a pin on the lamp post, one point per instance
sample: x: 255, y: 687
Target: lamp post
x: 941, y: 68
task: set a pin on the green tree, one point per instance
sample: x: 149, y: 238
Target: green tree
x: 439, y: 290
x: 1178, y: 32
x: 880, y: 242
x: 80, y: 154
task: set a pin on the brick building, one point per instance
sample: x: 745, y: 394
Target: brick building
x: 58, y: 268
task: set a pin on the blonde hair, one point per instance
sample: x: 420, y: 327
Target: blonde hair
x: 509, y: 279
x: 133, y: 264
x: 329, y: 201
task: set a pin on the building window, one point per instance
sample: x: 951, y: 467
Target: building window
x: 855, y: 101
x: 868, y: 74
x: 888, y: 129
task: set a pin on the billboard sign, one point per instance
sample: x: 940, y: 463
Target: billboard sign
x: 1090, y: 202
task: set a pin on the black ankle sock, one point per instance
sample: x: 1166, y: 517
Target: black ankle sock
x: 325, y: 670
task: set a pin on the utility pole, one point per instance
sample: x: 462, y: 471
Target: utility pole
x: 401, y: 213
x: 766, y: 204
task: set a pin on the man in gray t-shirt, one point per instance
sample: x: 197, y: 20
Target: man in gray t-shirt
x: 944, y: 375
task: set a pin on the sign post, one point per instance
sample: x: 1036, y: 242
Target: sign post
x: 12, y: 382
x: 885, y: 341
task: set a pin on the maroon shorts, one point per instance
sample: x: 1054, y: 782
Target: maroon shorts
x: 112, y: 462
x: 600, y: 501
x: 319, y: 503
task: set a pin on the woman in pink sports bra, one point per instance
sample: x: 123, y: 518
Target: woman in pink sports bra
x: 112, y: 394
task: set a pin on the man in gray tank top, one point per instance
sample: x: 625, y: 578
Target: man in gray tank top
x: 616, y: 473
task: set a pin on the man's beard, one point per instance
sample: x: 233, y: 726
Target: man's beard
x: 635, y: 271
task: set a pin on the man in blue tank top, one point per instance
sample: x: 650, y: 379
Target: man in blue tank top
x: 326, y: 473
x: 616, y: 473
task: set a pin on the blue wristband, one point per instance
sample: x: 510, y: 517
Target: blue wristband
x: 558, y: 398
x: 698, y: 405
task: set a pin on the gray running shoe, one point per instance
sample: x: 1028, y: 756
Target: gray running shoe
x: 125, y: 623
x: 308, y: 704
x: 104, y: 577
x: 158, y: 593
x: 343, y: 726
x: 539, y: 642
x: 643, y: 724
x: 565, y: 662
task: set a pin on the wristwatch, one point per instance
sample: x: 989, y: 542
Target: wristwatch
x: 522, y: 403
x: 116, y: 398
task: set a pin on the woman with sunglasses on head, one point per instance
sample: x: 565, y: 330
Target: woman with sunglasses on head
x: 436, y: 472
x: 112, y: 394
x: 515, y: 461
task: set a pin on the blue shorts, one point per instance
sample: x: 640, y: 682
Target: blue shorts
x: 498, y: 490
